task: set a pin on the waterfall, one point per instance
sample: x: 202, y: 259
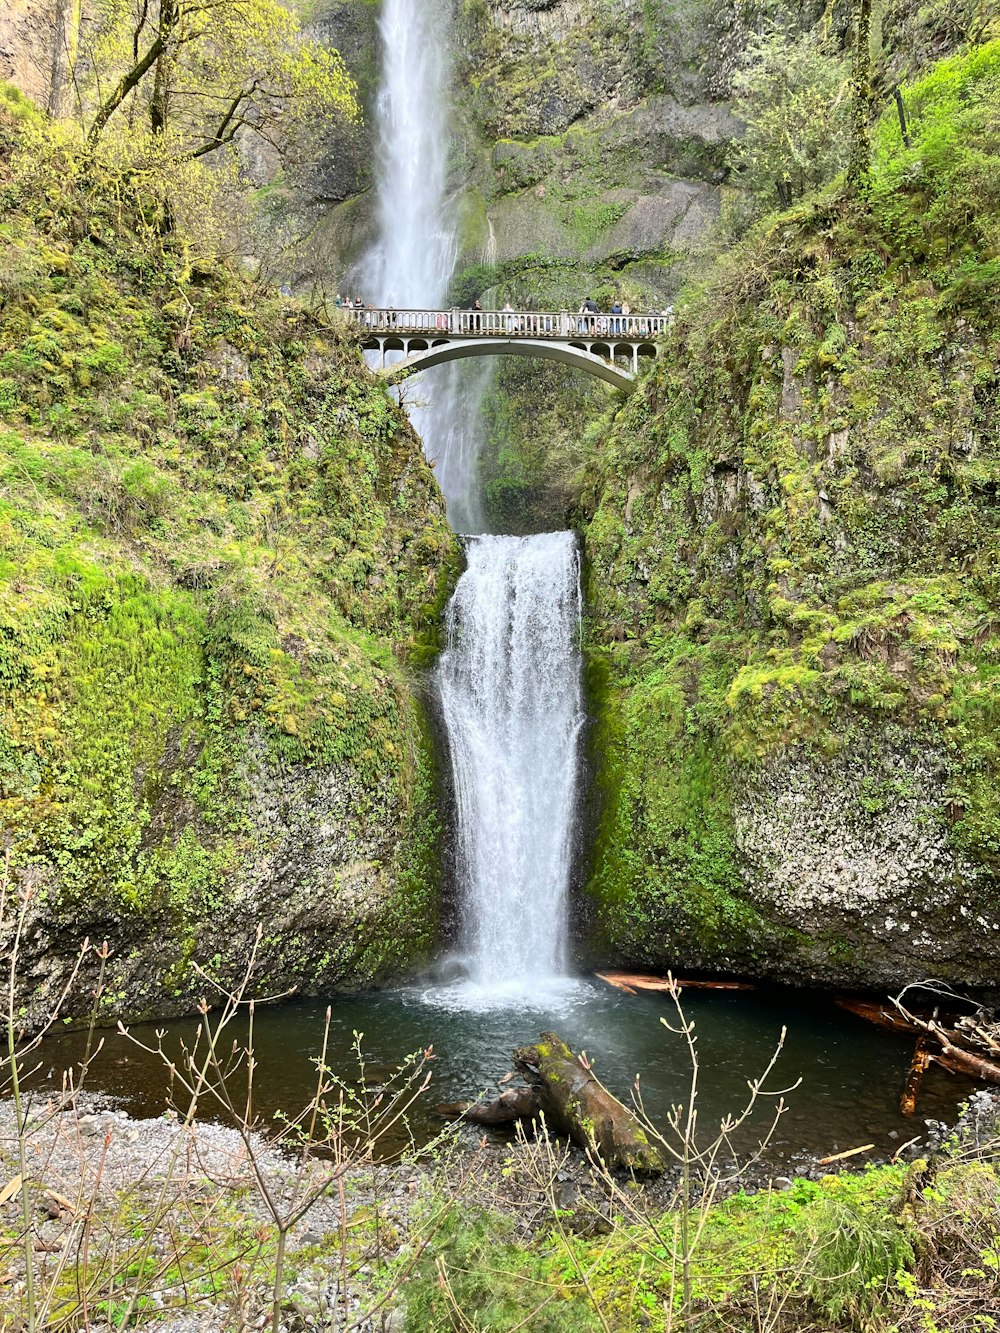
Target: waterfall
x: 510, y: 678
x: 510, y: 686
x: 412, y: 260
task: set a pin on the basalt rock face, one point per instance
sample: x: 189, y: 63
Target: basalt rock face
x: 223, y: 561
x: 605, y: 149
x: 30, y: 32
x: 792, y: 544
x: 854, y: 850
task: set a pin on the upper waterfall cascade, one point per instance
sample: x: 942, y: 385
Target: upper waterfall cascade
x: 413, y: 257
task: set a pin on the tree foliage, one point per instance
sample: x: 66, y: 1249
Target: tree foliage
x: 205, y: 73
x: 793, y: 95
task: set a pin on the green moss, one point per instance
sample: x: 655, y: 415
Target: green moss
x: 666, y: 870
x: 222, y: 556
x: 844, y: 1252
x: 792, y: 526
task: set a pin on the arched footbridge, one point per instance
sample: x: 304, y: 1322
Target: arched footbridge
x: 608, y: 346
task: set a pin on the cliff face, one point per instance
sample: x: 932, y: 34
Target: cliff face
x: 591, y: 140
x: 222, y: 558
x: 595, y: 152
x: 30, y: 42
x: 793, y: 550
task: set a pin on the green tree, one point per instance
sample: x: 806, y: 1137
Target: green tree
x: 793, y: 95
x: 204, y: 72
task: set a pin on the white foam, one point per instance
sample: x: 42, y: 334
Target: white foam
x: 537, y: 995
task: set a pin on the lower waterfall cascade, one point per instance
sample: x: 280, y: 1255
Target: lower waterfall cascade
x: 510, y: 684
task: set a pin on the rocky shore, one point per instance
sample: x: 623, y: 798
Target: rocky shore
x: 157, y: 1220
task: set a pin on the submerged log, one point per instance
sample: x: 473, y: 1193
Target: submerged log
x: 576, y: 1103
x: 918, y: 1067
x: 512, y: 1105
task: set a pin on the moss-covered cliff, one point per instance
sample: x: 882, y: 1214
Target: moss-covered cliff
x: 222, y: 558
x: 793, y: 553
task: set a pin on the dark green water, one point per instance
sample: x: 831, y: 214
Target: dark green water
x: 851, y: 1073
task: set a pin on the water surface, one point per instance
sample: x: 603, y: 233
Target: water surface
x: 851, y: 1073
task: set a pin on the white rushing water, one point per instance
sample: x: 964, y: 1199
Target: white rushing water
x: 510, y: 680
x: 412, y: 261
x: 510, y: 685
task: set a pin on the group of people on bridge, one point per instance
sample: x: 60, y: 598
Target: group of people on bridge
x: 472, y: 320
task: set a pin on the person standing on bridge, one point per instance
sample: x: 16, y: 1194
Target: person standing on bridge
x: 508, y: 309
x: 477, y: 316
x: 616, y: 324
x: 588, y: 310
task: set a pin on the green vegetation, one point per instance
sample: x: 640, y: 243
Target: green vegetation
x: 792, y: 96
x: 221, y: 553
x: 896, y: 1248
x: 201, y: 75
x: 793, y: 542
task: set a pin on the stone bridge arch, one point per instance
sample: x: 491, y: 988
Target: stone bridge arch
x: 422, y: 354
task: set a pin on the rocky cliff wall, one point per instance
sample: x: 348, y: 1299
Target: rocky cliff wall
x: 793, y: 545
x: 222, y: 561
x: 31, y: 39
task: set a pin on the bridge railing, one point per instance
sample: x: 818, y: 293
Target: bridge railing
x: 509, y: 323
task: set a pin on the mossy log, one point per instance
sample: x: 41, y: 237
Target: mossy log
x: 575, y: 1102
x: 562, y: 1087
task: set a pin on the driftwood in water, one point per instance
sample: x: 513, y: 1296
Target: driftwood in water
x: 562, y: 1087
x: 575, y: 1102
x: 630, y: 983
x: 918, y: 1067
x: 964, y: 1062
x: 881, y: 1015
x: 944, y: 1046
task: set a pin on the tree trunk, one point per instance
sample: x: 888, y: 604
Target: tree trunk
x: 859, y: 165
x: 575, y: 1102
x: 161, y: 77
x: 66, y: 21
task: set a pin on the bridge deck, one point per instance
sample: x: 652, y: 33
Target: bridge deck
x: 555, y: 324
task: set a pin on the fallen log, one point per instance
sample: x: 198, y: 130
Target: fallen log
x: 950, y: 1056
x: 512, y: 1105
x: 575, y: 1102
x: 964, y: 1062
x: 879, y: 1014
x: 918, y: 1067
x: 630, y: 982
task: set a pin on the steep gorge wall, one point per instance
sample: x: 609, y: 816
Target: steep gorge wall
x: 33, y: 40
x: 223, y: 561
x: 793, y: 545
